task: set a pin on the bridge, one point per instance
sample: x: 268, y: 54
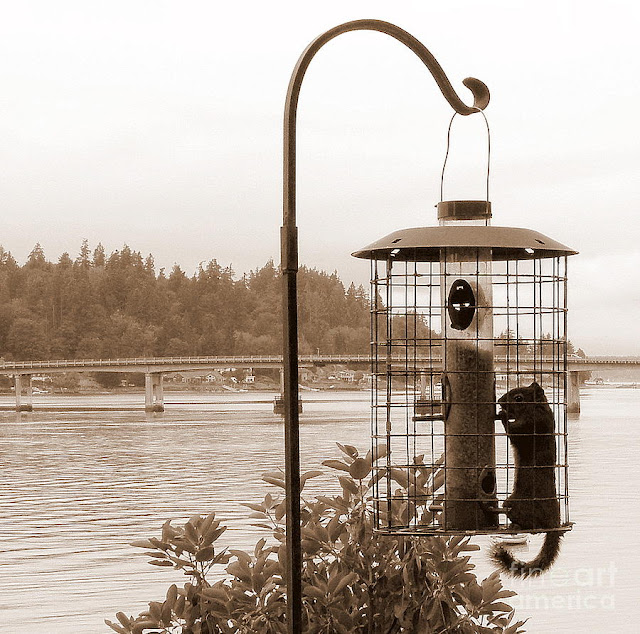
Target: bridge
x: 154, y: 368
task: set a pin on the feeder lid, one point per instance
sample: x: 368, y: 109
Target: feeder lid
x: 423, y: 244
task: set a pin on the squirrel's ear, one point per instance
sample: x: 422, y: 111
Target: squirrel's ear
x: 537, y: 390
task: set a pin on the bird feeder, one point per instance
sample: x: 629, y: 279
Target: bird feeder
x: 461, y: 313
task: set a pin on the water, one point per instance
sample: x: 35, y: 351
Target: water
x: 78, y: 486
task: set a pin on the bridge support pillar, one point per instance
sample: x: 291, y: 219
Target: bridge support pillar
x: 153, y: 395
x: 573, y: 393
x: 27, y: 405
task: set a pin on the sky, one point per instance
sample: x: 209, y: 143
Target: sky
x: 158, y: 123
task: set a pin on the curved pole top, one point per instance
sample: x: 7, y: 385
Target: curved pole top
x: 478, y: 89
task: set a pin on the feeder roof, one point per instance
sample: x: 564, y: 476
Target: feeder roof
x: 423, y: 244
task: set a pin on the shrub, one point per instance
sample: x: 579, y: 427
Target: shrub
x: 354, y: 580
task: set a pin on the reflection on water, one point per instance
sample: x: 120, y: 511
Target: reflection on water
x: 77, y: 487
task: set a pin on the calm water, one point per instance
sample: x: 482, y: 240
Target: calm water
x: 77, y: 487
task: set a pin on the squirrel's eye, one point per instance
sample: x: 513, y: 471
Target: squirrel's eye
x: 518, y: 398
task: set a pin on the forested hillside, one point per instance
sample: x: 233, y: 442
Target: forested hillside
x: 117, y: 305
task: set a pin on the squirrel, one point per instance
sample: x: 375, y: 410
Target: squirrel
x: 533, y: 503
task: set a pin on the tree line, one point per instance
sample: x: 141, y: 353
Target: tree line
x: 114, y: 306
x: 101, y: 305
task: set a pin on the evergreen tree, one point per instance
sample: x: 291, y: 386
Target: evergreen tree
x: 99, y: 257
x: 36, y: 257
x: 84, y: 260
x: 116, y: 306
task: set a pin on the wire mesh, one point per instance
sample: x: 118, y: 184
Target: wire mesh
x: 445, y: 463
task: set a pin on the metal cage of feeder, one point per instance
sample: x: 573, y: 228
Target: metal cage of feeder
x: 461, y: 313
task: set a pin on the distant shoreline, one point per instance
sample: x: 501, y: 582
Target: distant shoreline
x: 188, y: 390
x: 262, y: 391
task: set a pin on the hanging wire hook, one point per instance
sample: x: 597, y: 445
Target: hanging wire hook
x: 446, y: 156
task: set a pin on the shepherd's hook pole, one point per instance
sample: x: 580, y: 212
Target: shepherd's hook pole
x: 289, y: 269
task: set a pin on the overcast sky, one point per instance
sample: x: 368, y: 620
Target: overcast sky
x: 158, y: 123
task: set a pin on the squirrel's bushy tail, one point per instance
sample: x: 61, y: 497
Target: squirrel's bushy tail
x: 544, y: 560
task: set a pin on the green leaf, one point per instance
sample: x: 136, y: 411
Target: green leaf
x: 178, y: 608
x: 359, y: 469
x: 497, y: 606
x: 165, y: 613
x: 255, y: 507
x: 216, y: 593
x: 222, y: 557
x: 349, y: 450
x: 347, y: 580
x: 191, y: 532
x: 143, y: 543
x: 348, y: 484
x: 182, y: 543
x: 122, y: 617
x: 168, y: 532
x: 307, y: 475
x: 172, y: 594
x: 312, y: 591
x: 336, y: 464
x: 115, y: 627
x: 155, y: 610
x: 163, y: 545
x: 241, y: 554
x: 139, y: 627
x: 474, y: 593
x: 240, y: 570
x: 400, y: 476
x: 205, y: 554
x: 515, y: 628
x: 274, y: 481
x: 213, y: 533
x: 280, y: 510
x: 380, y: 451
x: 207, y: 523
x: 158, y: 553
x: 335, y: 528
x: 504, y: 594
x: 469, y: 547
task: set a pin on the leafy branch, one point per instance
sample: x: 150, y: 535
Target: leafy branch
x: 354, y: 580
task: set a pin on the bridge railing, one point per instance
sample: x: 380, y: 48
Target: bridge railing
x: 247, y: 360
x: 151, y: 361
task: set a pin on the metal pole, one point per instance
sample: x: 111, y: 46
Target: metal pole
x: 289, y: 269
